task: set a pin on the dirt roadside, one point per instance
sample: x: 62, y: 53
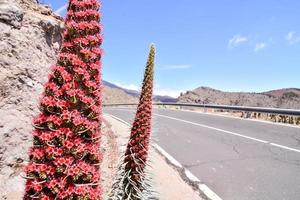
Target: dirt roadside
x: 168, y: 182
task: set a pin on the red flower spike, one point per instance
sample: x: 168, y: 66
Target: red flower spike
x: 132, y: 182
x: 141, y: 128
x: 60, y: 149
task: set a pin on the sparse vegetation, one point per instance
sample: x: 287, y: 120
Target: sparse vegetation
x: 290, y: 95
x: 284, y: 98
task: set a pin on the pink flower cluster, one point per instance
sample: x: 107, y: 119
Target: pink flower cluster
x: 83, y: 41
x: 94, y: 53
x: 81, y: 191
x: 71, y: 59
x: 66, y: 76
x: 65, y: 157
x: 84, y: 14
x: 87, y: 4
x: 39, y: 169
x: 137, y: 149
x: 44, y: 119
x: 49, y: 101
x: 57, y: 187
x: 81, y: 96
x: 83, y: 26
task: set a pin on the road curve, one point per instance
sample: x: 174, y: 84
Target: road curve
x: 238, y: 159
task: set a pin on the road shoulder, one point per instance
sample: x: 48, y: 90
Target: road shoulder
x: 168, y: 181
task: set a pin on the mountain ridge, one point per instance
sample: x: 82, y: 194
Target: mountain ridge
x: 278, y: 98
x: 136, y: 94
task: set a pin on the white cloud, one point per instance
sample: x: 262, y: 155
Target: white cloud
x: 237, y: 40
x: 166, y: 91
x: 260, y: 46
x: 128, y: 87
x: 61, y: 9
x: 158, y: 90
x: 292, y: 38
x: 176, y: 66
x: 290, y: 35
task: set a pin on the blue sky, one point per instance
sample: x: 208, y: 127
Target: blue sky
x: 231, y: 45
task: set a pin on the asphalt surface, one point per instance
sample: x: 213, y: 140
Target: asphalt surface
x: 238, y: 159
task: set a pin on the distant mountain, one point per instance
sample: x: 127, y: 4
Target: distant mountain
x: 113, y: 94
x: 135, y: 94
x: 164, y: 99
x: 288, y: 92
x: 281, y: 98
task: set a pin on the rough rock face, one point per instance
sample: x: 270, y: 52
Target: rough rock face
x: 284, y: 98
x: 30, y: 36
x: 11, y: 14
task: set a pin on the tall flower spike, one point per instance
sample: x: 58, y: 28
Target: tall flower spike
x: 137, y: 149
x: 132, y: 182
x: 65, y: 157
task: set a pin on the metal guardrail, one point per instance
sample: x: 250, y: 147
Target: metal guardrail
x: 278, y: 111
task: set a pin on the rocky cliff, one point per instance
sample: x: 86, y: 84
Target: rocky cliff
x: 30, y: 36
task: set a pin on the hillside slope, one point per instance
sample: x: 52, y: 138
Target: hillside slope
x: 114, y: 96
x: 135, y: 94
x: 283, y: 98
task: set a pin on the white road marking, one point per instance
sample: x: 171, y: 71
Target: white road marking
x: 239, y: 118
x: 191, y: 176
x: 119, y: 119
x: 172, y: 160
x: 202, y: 187
x: 225, y: 131
x: 232, y: 133
x: 208, y: 192
x: 225, y: 116
x: 284, y: 147
x: 213, y: 128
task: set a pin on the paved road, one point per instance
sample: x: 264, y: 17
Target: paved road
x: 238, y: 159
